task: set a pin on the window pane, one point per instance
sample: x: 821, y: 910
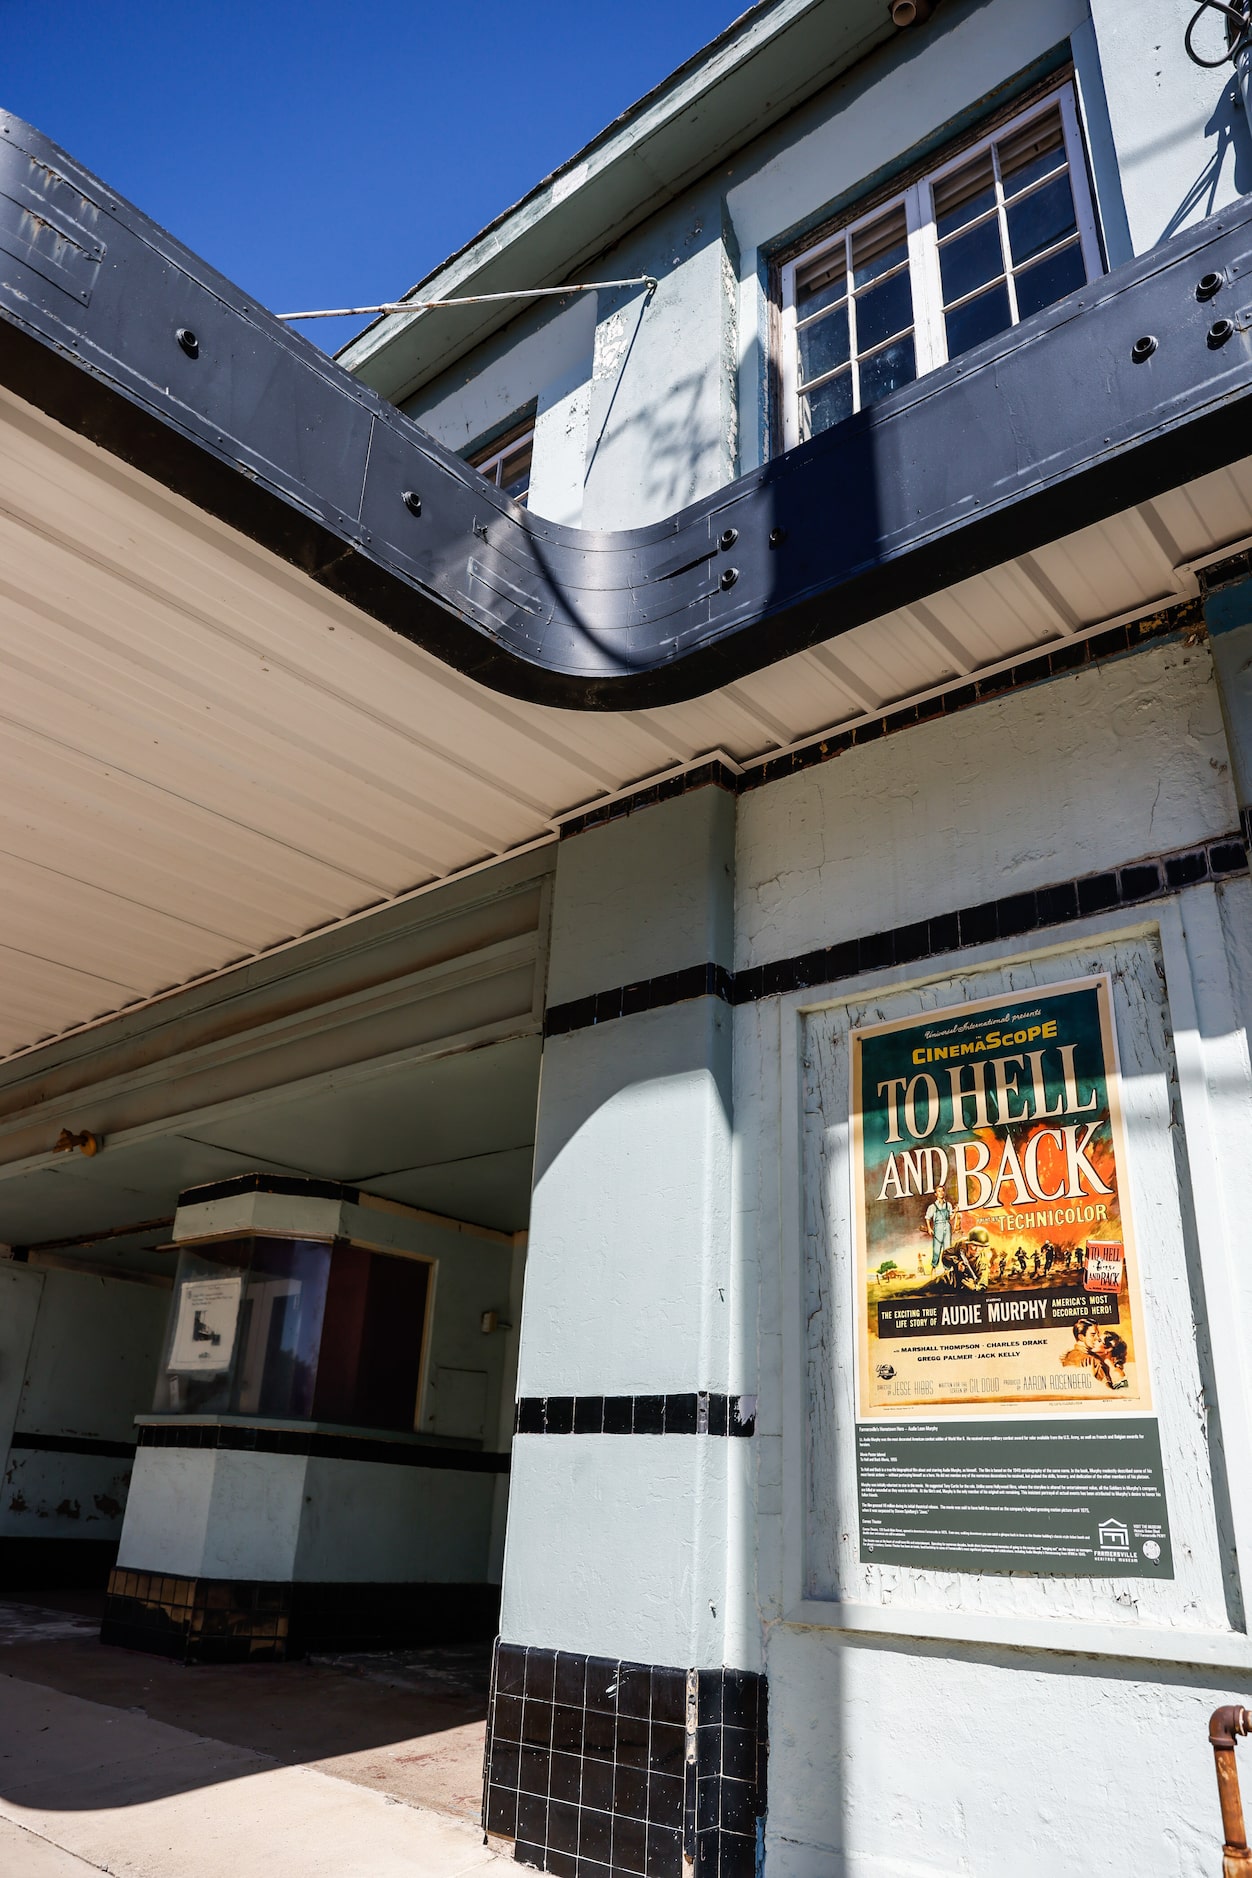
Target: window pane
x: 977, y: 320
x: 822, y: 282
x: 1048, y: 280
x: 885, y: 309
x: 824, y: 344
x: 515, y: 472
x: 965, y: 195
x: 887, y: 370
x: 880, y: 247
x: 971, y: 260
x: 1040, y: 220
x: 1034, y: 151
x: 826, y: 405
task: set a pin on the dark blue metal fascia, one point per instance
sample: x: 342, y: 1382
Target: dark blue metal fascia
x: 123, y: 335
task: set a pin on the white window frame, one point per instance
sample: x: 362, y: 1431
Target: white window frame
x: 917, y: 201
x: 489, y: 465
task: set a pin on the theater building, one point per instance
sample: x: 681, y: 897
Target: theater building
x: 627, y: 951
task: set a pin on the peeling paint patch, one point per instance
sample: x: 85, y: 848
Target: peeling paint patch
x: 69, y: 1509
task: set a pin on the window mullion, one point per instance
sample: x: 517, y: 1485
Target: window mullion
x: 1006, y: 253
x: 929, y: 336
x: 854, y: 365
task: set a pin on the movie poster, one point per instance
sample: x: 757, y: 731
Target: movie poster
x: 204, y: 1330
x: 995, y: 1260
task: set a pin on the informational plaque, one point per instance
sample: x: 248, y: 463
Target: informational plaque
x: 997, y: 1279
x: 204, y: 1329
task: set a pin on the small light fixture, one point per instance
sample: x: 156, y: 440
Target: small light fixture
x: 85, y: 1142
x: 492, y: 1320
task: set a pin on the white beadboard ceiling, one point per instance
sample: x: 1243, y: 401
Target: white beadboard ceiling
x: 203, y: 754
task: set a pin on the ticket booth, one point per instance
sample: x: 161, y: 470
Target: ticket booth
x: 323, y: 1464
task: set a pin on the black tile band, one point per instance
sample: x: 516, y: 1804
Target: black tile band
x: 702, y: 1413
x: 1018, y: 913
x: 598, y: 1768
x: 244, y: 1620
x: 302, y: 1185
x: 323, y: 1446
x: 73, y: 1444
x: 1186, y: 617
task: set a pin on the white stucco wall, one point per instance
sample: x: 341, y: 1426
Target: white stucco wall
x: 906, y: 1739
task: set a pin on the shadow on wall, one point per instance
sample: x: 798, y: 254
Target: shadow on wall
x: 1228, y: 128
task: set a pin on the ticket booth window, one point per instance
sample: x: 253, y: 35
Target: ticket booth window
x: 295, y: 1330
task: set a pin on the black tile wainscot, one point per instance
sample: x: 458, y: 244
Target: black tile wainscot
x: 597, y: 1768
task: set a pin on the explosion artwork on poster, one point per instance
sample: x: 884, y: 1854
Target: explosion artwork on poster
x: 995, y: 1261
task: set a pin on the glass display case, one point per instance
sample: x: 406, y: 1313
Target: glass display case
x: 295, y: 1329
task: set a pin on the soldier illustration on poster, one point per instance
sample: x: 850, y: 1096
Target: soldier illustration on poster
x: 998, y: 1268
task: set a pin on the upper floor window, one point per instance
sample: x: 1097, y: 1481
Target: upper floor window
x: 984, y: 240
x: 506, y: 462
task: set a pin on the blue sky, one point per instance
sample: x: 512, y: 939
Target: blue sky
x: 331, y: 155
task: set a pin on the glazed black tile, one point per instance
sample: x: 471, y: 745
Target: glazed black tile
x: 567, y: 1729
x: 510, y: 1669
x: 649, y: 1416
x: 1228, y: 857
x: 630, y: 1845
x: 736, y: 1855
x: 588, y: 1414
x: 740, y: 1415
x: 664, y: 990
x: 530, y: 1415
x: 740, y: 1698
x: 666, y: 1749
x: 708, y: 1697
x: 903, y: 719
x: 708, y: 1803
x: 1016, y: 914
x: 664, y: 1851
x: 602, y: 1683
x: 506, y: 1721
x: 599, y: 1733
x: 669, y: 1691
x: 665, y: 1799
x: 739, y: 1753
x: 532, y: 1818
x: 632, y: 1740
x: 565, y: 1775
x: 571, y: 1679
x: 1140, y: 882
x: 593, y: 1868
x: 978, y: 924
x: 636, y: 998
x: 945, y: 932
x: 536, y: 1723
x: 526, y: 1854
x: 876, y: 951
x: 505, y: 1764
x: 1181, y: 870
x: 502, y: 1811
x: 597, y: 1785
x: 563, y: 1827
x: 912, y: 942
x: 560, y: 1864
x: 619, y: 1411
x: 750, y: 985
x: 1057, y: 904
x: 595, y: 1835
x: 608, y: 1005
x: 534, y: 1766
x: 706, y: 1853
x: 717, y: 1414
x: 1097, y: 893
x: 738, y: 1806
x: 558, y: 1418
x: 693, y: 982
x: 680, y: 1414
x: 1031, y: 672
x: 630, y: 1792
x: 1104, y: 645
x: 634, y: 1690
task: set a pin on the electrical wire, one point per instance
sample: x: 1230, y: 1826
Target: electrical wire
x: 1236, y: 42
x: 469, y: 299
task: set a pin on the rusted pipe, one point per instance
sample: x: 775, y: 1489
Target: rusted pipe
x: 1224, y: 1725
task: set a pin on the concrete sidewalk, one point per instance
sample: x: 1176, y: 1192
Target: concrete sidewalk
x: 112, y: 1761
x: 86, y: 1787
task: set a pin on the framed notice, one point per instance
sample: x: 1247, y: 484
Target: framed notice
x: 204, y: 1329
x: 997, y: 1280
